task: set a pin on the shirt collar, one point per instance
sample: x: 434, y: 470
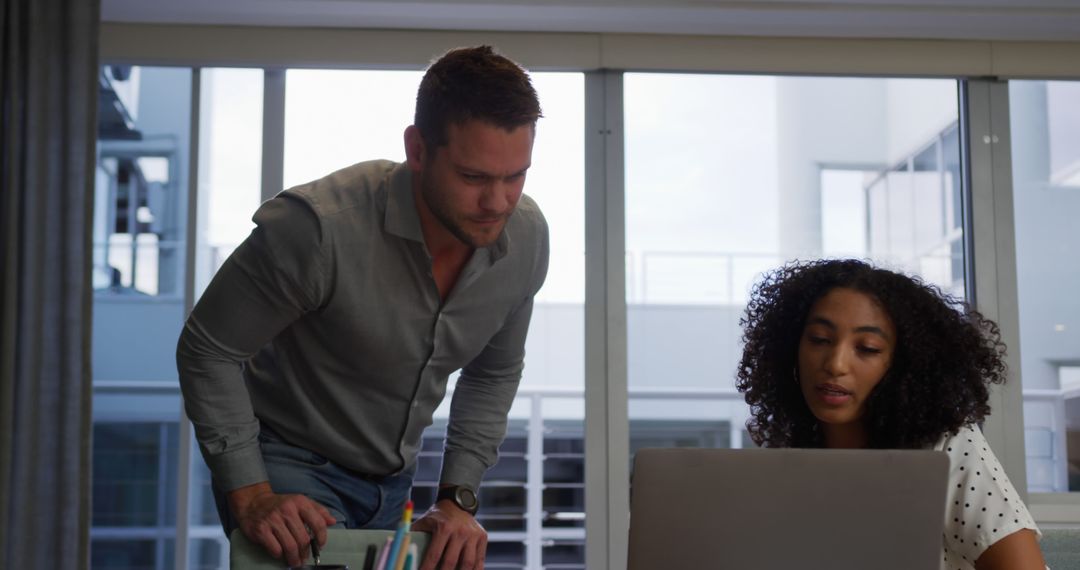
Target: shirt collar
x: 403, y: 221
x: 401, y: 218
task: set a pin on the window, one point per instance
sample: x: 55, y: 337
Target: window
x: 140, y: 222
x: 131, y: 461
x: 730, y: 176
x: 141, y: 183
x: 916, y: 219
x: 725, y: 177
x: 140, y: 233
x: 134, y: 494
x: 335, y: 118
x: 1045, y: 125
x: 230, y: 164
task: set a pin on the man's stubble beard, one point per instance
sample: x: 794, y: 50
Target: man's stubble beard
x: 441, y: 211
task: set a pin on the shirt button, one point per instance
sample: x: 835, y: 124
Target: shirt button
x: 415, y: 404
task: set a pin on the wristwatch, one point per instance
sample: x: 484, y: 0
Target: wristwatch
x: 463, y: 497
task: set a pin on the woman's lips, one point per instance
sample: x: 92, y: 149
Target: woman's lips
x: 834, y: 395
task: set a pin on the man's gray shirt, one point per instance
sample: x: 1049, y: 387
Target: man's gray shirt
x: 326, y: 325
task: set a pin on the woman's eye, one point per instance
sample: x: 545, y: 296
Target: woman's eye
x: 870, y: 350
x: 818, y: 340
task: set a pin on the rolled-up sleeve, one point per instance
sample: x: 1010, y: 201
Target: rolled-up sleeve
x: 274, y: 277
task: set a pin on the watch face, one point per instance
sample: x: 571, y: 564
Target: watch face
x: 466, y: 498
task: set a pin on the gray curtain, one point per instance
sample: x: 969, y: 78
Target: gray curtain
x: 48, y: 82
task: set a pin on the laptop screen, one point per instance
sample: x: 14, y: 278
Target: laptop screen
x: 787, y: 508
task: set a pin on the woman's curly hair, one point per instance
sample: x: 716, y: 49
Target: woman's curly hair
x: 946, y: 356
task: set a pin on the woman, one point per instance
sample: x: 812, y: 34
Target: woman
x: 840, y: 354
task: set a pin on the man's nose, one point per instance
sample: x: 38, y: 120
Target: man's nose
x: 495, y: 197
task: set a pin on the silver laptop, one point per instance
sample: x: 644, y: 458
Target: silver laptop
x: 787, y: 508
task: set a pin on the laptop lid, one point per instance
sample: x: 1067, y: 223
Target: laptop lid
x: 787, y: 508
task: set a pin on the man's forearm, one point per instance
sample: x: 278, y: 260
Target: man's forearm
x: 482, y: 398
x: 216, y: 400
x: 478, y: 417
x: 269, y: 281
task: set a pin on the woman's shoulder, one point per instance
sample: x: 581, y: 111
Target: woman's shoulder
x: 966, y: 437
x: 982, y: 504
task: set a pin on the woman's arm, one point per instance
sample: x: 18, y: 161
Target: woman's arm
x: 1018, y: 551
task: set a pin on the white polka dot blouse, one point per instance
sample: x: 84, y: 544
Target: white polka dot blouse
x: 983, y: 507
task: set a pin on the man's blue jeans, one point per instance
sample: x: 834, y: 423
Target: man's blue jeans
x: 353, y: 499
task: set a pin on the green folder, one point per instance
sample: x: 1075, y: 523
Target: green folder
x: 343, y: 546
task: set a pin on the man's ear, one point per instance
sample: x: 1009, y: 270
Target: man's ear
x: 415, y: 149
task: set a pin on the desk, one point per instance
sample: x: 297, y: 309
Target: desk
x: 1061, y: 548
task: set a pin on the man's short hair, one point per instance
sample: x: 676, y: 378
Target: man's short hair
x: 473, y: 83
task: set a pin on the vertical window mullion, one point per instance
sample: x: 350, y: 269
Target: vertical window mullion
x: 184, y: 435
x: 273, y: 142
x: 993, y: 252
x: 534, y: 486
x: 606, y: 419
x: 160, y: 524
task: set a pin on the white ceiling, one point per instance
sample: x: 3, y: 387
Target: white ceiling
x: 1039, y: 20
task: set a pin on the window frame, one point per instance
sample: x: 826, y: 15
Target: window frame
x: 989, y: 228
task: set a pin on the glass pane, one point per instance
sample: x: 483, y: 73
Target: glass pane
x: 134, y: 494
x: 139, y: 264
x: 564, y: 505
x: 208, y: 548
x: 140, y: 221
x: 730, y: 176
x: 209, y: 554
x: 127, y: 476
x: 564, y: 470
x: 564, y: 555
x: 139, y: 213
x: 230, y: 164
x: 203, y: 509
x: 337, y: 118
x: 1045, y: 124
x: 109, y: 554
x: 505, y: 555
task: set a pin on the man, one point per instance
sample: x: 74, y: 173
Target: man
x: 318, y: 354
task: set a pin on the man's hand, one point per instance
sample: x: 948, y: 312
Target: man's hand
x: 279, y: 523
x: 458, y: 542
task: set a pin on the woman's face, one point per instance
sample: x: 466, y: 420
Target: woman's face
x: 845, y: 350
